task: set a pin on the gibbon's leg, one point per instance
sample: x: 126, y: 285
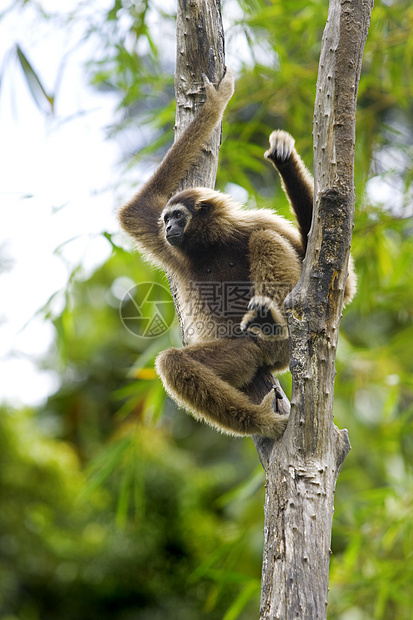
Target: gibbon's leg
x: 275, y: 269
x: 232, y: 360
x: 201, y: 379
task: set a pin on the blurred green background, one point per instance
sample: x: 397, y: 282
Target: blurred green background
x: 113, y: 504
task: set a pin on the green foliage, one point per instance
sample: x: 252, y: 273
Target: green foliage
x: 118, y: 511
x: 63, y: 555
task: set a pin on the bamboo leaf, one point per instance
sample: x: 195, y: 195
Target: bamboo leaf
x: 36, y: 88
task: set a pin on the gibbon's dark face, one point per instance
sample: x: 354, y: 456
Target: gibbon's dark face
x: 175, y: 219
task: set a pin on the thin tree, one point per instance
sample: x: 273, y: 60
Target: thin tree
x: 302, y: 467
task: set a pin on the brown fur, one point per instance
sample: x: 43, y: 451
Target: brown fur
x: 232, y: 274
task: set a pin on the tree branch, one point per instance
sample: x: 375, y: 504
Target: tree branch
x: 304, y: 466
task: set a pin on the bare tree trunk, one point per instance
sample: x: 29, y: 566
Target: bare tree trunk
x: 200, y: 49
x: 304, y: 465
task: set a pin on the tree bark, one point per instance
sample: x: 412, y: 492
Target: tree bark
x: 200, y: 48
x: 304, y: 465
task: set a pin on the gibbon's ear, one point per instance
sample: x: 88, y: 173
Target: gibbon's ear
x: 203, y: 206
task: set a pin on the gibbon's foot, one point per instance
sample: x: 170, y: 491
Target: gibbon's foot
x: 260, y: 419
x: 273, y: 424
x: 281, y: 147
x: 263, y: 318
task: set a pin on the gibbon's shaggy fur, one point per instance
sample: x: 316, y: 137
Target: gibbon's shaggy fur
x: 232, y: 269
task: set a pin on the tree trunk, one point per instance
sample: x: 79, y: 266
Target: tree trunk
x: 200, y: 48
x: 304, y: 465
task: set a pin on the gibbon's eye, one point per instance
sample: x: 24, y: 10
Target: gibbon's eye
x: 166, y: 219
x: 178, y: 215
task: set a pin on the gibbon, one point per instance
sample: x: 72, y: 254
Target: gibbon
x: 232, y: 269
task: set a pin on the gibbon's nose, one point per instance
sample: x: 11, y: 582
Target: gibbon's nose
x: 170, y: 227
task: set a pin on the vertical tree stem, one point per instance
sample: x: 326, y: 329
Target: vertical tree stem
x: 304, y: 466
x: 200, y: 49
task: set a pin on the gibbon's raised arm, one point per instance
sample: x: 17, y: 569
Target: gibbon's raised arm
x: 140, y: 216
x: 299, y: 187
x: 296, y: 179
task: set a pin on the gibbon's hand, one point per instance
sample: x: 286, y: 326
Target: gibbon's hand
x: 281, y: 147
x: 263, y: 318
x: 219, y: 96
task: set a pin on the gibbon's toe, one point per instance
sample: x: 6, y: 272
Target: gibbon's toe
x: 281, y: 146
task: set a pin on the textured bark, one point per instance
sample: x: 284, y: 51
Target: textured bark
x: 200, y: 49
x: 304, y: 465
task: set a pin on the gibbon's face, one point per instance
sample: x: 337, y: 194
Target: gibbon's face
x: 175, y: 220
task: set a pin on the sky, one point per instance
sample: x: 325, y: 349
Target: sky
x: 57, y: 174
